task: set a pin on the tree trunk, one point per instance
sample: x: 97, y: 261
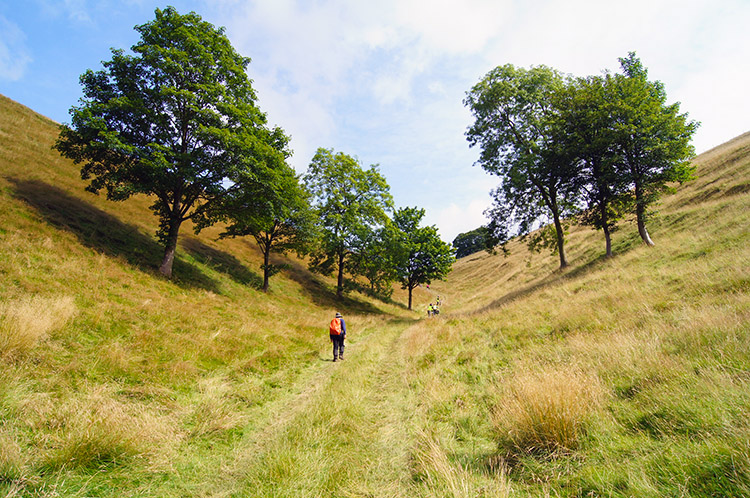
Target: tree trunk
x: 608, y: 241
x: 340, y: 283
x: 560, y: 240
x: 266, y: 269
x: 640, y: 215
x: 170, y: 248
x: 410, y: 289
x: 605, y: 227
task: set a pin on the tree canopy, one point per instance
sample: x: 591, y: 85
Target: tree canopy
x: 280, y: 218
x: 349, y: 202
x: 652, y: 136
x: 418, y: 254
x: 470, y: 242
x: 177, y: 120
x: 594, y: 147
x: 518, y: 130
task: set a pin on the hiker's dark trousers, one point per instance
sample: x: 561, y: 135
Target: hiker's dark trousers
x: 338, y: 345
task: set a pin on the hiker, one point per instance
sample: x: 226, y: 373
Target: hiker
x: 337, y: 332
x: 430, y: 310
x: 437, y: 303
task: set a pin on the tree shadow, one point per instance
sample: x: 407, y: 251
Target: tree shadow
x: 103, y: 232
x: 222, y: 262
x: 554, y: 278
x: 321, y: 294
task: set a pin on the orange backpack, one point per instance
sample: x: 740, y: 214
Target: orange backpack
x: 335, y: 327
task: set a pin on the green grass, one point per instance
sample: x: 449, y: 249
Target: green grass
x: 617, y: 377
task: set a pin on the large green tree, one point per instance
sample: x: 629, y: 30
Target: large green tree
x: 418, y: 254
x: 177, y: 120
x: 652, y: 136
x: 586, y: 107
x: 279, y: 218
x: 350, y: 202
x: 520, y: 133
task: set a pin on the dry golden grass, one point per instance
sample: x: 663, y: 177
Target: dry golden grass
x: 26, y: 321
x: 12, y: 458
x: 216, y: 409
x: 443, y: 478
x: 546, y: 410
x: 95, y: 428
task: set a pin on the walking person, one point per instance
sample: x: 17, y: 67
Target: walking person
x: 337, y: 332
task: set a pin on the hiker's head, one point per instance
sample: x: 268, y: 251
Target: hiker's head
x: 338, y: 315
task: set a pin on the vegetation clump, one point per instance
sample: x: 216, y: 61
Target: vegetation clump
x: 545, y: 411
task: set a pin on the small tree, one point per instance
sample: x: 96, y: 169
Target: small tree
x: 519, y: 130
x: 418, y: 253
x: 279, y: 219
x: 653, y: 138
x: 177, y: 121
x: 349, y: 203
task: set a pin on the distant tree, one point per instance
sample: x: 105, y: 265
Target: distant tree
x: 520, y: 132
x: 652, y: 136
x: 470, y: 242
x: 349, y: 203
x: 178, y: 120
x: 280, y: 219
x: 418, y: 253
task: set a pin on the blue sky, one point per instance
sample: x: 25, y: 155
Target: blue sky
x: 384, y: 81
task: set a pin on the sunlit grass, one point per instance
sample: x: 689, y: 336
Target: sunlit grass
x: 26, y: 321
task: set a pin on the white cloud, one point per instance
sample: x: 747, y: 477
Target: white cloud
x: 454, y: 218
x: 14, y: 56
x: 384, y: 80
x: 452, y: 26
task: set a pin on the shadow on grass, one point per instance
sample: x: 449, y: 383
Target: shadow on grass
x: 103, y: 232
x: 222, y: 262
x: 321, y: 294
x: 554, y: 278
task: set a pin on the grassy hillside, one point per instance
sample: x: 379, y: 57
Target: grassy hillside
x: 621, y: 377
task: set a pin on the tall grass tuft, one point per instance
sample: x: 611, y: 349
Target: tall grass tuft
x: 217, y: 409
x: 24, y: 322
x: 546, y: 411
x: 97, y: 430
x: 11, y: 457
x: 443, y: 478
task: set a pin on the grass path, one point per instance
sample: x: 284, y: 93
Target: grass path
x: 348, y: 431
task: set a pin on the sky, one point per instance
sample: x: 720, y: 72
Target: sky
x: 384, y: 81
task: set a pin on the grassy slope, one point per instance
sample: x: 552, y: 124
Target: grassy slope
x: 626, y: 377
x: 644, y: 359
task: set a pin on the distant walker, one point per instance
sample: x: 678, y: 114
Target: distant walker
x: 337, y: 332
